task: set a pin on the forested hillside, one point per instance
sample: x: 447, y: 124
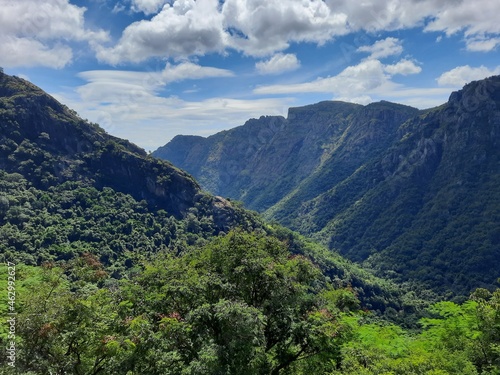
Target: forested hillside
x: 120, y: 264
x: 413, y: 194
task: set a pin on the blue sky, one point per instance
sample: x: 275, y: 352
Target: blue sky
x: 147, y: 70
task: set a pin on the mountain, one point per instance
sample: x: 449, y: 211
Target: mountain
x: 47, y: 143
x: 413, y: 194
x: 264, y: 160
x: 68, y: 189
x: 117, y: 263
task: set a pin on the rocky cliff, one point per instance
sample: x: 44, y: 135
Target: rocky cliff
x: 268, y: 158
x: 414, y: 194
x: 49, y: 144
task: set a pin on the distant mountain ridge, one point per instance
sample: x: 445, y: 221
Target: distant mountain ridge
x: 70, y: 192
x: 302, y: 143
x: 415, y: 194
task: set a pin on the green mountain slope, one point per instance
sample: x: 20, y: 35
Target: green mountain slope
x: 49, y: 144
x: 414, y: 194
x: 113, y: 262
x: 266, y: 159
x: 68, y: 189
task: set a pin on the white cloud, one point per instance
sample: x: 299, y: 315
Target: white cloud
x: 255, y: 27
x: 278, y: 64
x: 354, y: 81
x: 134, y: 111
x: 403, y: 67
x: 37, y: 32
x: 26, y: 52
x: 128, y: 84
x: 363, y: 99
x: 383, y: 48
x: 188, y: 70
x: 365, y: 82
x: 482, y: 44
x: 148, y: 6
x: 478, y: 20
x: 261, y: 27
x: 387, y: 15
x: 474, y: 17
x: 128, y: 104
x: 183, y: 29
x: 461, y: 75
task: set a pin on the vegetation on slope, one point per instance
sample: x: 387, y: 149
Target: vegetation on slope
x: 413, y: 195
x: 121, y: 265
x: 240, y: 304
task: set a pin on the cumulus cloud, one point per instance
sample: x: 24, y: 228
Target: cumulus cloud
x: 388, y: 15
x: 39, y: 31
x: 404, y: 67
x: 183, y: 29
x: 461, y: 75
x: 383, y: 48
x: 278, y: 64
x: 24, y: 52
x: 259, y: 27
x: 147, y: 6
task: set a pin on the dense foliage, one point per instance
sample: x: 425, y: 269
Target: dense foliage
x: 113, y: 262
x: 240, y: 304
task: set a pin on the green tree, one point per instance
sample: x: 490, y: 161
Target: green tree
x: 241, y: 304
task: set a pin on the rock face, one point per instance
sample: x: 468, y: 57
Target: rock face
x: 266, y: 159
x: 49, y: 144
x: 415, y: 194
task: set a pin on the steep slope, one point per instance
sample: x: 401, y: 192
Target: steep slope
x: 47, y: 151
x: 70, y: 193
x: 414, y: 194
x: 429, y: 208
x: 48, y: 144
x: 264, y: 160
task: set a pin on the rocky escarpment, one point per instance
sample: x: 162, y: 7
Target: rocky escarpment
x: 49, y: 144
x: 268, y: 158
x: 414, y: 194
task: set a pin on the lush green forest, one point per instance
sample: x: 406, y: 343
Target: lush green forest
x: 240, y: 304
x: 114, y: 262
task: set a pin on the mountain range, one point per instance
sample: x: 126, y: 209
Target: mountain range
x: 116, y: 262
x: 68, y: 188
x: 413, y: 194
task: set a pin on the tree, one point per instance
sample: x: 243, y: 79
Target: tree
x: 241, y: 304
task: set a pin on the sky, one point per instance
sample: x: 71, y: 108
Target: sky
x: 147, y: 70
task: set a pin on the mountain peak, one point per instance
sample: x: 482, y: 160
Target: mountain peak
x: 402, y: 189
x: 48, y: 144
x: 477, y: 94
